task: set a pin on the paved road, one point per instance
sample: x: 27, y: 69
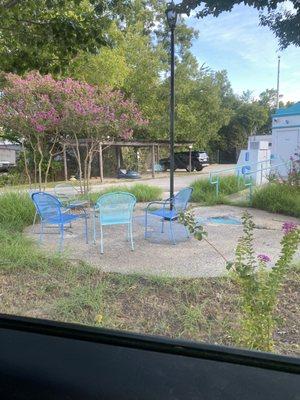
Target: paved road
x: 182, y: 178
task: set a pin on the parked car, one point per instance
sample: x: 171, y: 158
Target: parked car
x: 182, y: 160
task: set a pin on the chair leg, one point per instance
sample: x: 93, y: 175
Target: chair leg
x: 41, y: 232
x: 86, y: 230
x: 162, y: 225
x: 61, y: 228
x: 146, y: 224
x: 172, y: 233
x: 34, y: 219
x: 128, y: 232
x: 187, y: 231
x: 94, y: 227
x: 131, y: 236
x: 101, y: 239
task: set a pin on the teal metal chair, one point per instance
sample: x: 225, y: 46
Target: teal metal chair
x: 114, y: 208
x: 165, y: 213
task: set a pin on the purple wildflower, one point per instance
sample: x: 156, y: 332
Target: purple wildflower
x: 264, y: 258
x: 288, y: 227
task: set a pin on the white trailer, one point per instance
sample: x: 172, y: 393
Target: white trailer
x: 8, y: 153
x: 285, y: 135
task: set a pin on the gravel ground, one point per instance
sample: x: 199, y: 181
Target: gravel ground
x: 157, y: 256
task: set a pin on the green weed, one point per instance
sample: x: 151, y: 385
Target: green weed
x: 278, y: 198
x: 204, y: 192
x: 16, y: 211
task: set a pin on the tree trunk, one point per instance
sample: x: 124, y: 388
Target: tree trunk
x: 25, y: 164
x: 49, y: 163
x: 34, y: 163
x: 90, y: 160
x: 40, y: 163
x: 85, y: 180
x: 78, y: 158
x: 47, y: 170
x: 35, y: 167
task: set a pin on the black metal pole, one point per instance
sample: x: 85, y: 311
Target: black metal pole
x: 172, y: 116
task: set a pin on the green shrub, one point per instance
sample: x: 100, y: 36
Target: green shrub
x: 143, y: 193
x: 12, y: 178
x: 205, y: 192
x: 278, y: 198
x: 260, y: 285
x: 16, y: 211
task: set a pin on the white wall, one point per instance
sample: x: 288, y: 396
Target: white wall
x: 7, y: 154
x: 285, y: 139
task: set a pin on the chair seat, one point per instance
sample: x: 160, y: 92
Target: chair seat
x: 115, y: 220
x: 165, y: 213
x: 63, y: 219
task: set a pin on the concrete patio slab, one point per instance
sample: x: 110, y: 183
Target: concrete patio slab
x: 157, y: 256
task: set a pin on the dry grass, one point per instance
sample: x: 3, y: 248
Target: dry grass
x: 203, y: 309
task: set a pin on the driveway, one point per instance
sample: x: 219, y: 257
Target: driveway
x: 182, y: 178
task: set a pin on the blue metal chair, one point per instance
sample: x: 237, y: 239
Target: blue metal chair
x: 52, y: 212
x: 115, y: 209
x: 179, y: 203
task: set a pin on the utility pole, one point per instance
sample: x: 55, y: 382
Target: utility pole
x: 278, y: 81
x: 171, y: 15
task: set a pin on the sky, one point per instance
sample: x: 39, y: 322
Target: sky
x: 235, y: 42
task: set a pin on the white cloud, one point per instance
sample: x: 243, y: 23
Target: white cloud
x: 235, y: 41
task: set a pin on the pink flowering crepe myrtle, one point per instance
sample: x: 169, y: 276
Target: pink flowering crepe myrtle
x: 44, y: 112
x: 37, y: 104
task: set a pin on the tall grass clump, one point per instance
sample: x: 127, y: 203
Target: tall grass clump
x: 278, y: 198
x: 16, y: 211
x: 16, y: 251
x: 19, y: 252
x: 143, y: 193
x: 204, y: 192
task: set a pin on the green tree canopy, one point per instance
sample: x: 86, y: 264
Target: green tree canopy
x: 45, y: 35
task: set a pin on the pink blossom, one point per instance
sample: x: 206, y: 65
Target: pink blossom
x: 288, y: 227
x: 35, y: 103
x: 264, y: 258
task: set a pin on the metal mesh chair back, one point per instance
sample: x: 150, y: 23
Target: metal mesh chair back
x: 66, y: 192
x: 116, y: 207
x: 181, y: 199
x: 47, y: 206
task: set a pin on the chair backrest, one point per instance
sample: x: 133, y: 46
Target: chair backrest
x: 46, y: 205
x: 66, y: 192
x: 182, y: 198
x: 116, y: 206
